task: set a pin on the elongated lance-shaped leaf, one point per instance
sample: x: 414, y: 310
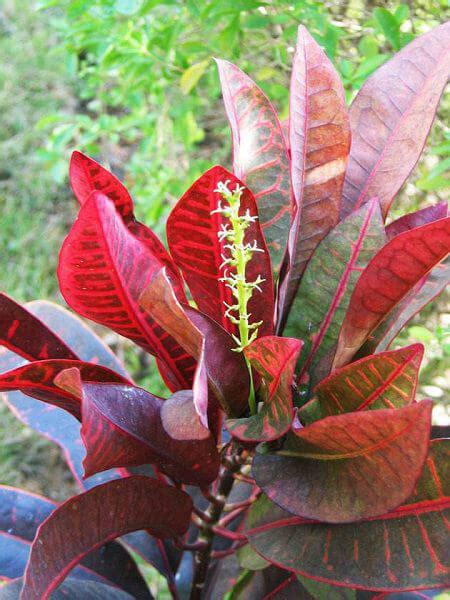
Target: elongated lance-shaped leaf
x: 102, y: 271
x: 424, y: 292
x: 388, y: 278
x: 193, y: 230
x: 416, y: 219
x: 274, y: 358
x: 26, y: 335
x: 260, y: 155
x: 204, y: 339
x: 386, y: 380
x: 349, y: 466
x: 406, y: 549
x: 21, y: 513
x: 391, y: 117
x: 319, y: 136
x: 100, y: 515
x: 327, y: 284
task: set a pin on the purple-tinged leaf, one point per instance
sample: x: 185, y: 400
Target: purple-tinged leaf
x: 102, y: 271
x: 406, y: 549
x: 274, y: 358
x: 391, y: 117
x: 260, y: 155
x: 192, y: 235
x: 417, y: 219
x: 98, y: 516
x: 388, y: 278
x: 349, y: 466
x: 386, y: 380
x: 327, y: 284
x: 71, y: 589
x: 319, y: 139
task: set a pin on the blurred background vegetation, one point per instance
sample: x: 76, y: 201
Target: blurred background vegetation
x: 133, y: 83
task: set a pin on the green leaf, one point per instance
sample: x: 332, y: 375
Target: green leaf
x: 389, y: 26
x: 127, y: 7
x: 192, y: 76
x: 368, y: 46
x: 401, y: 13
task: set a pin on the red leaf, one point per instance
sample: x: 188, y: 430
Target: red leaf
x: 274, y: 358
x: 349, y: 466
x: 23, y: 333
x: 192, y: 235
x: 320, y: 143
x: 91, y: 519
x: 102, y: 271
x: 260, y: 156
x: 386, y: 280
x: 391, y: 117
x: 416, y: 219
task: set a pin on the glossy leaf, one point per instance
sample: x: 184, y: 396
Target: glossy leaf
x: 391, y: 117
x: 192, y: 235
x: 417, y: 219
x: 327, y: 284
x: 114, y: 508
x: 319, y: 138
x: 274, y: 358
x: 349, y: 466
x: 387, y: 279
x: 385, y: 380
x: 102, y: 271
x: 260, y: 156
x: 71, y: 589
x: 406, y: 549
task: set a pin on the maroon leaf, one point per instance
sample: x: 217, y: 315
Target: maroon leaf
x: 406, y: 549
x: 274, y: 358
x: 23, y: 333
x: 391, y: 117
x: 260, y: 156
x: 104, y: 513
x: 192, y: 235
x: 320, y: 143
x: 102, y: 271
x: 387, y: 279
x: 416, y: 219
x: 349, y: 466
x: 386, y: 380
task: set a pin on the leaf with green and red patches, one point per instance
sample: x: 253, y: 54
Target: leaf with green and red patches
x: 327, y: 284
x: 391, y: 117
x: 204, y: 339
x: 274, y: 358
x: 406, y: 549
x: 193, y: 239
x: 102, y: 271
x: 388, y: 278
x: 98, y: 516
x: 260, y: 155
x: 36, y: 379
x: 386, y: 380
x: 349, y: 466
x: 319, y: 136
x: 417, y: 219
x: 21, y: 513
x: 23, y: 333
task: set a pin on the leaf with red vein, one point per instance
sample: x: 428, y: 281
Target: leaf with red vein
x: 102, y: 271
x: 70, y: 589
x: 203, y: 338
x: 122, y: 427
x: 408, y: 546
x: 192, y: 235
x: 327, y: 284
x: 416, y: 219
x: 23, y: 333
x: 349, y: 466
x: 274, y: 358
x: 319, y: 137
x: 386, y: 380
x: 391, y: 117
x: 104, y: 513
x: 260, y: 156
x: 387, y: 279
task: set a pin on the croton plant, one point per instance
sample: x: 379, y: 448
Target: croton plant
x: 291, y: 459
